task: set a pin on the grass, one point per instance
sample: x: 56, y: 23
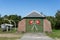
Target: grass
x: 12, y: 38
x: 54, y: 34
x: 5, y: 38
x: 13, y: 31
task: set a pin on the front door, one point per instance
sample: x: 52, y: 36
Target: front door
x: 34, y: 25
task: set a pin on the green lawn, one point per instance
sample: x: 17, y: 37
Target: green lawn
x: 5, y: 38
x: 12, y: 32
x: 54, y: 34
x: 12, y: 38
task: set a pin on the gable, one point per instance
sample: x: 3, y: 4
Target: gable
x: 35, y: 14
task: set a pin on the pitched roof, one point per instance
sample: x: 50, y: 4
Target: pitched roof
x: 35, y: 14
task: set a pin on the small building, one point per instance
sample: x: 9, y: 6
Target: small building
x: 6, y: 27
x: 34, y: 22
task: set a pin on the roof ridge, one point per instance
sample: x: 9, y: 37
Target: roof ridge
x: 35, y: 14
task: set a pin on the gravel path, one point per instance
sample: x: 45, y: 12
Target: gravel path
x: 35, y: 36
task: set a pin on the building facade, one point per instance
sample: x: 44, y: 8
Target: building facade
x: 34, y: 22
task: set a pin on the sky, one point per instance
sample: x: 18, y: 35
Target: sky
x: 24, y: 7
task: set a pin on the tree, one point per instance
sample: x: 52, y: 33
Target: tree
x: 57, y: 15
x: 57, y: 26
x: 15, y: 18
x: 55, y: 21
x: 52, y: 20
x: 1, y: 20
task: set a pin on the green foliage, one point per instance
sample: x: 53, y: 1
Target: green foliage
x: 13, y: 30
x: 55, y: 21
x: 52, y: 20
x: 1, y: 21
x: 54, y: 34
x: 15, y: 18
x: 57, y: 15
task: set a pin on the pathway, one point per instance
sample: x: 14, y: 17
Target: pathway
x: 35, y: 36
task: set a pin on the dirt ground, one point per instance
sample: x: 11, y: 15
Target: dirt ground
x: 36, y: 36
x: 9, y: 35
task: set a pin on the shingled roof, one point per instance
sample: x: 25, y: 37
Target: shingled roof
x: 35, y: 14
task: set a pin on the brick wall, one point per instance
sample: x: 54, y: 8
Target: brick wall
x: 22, y: 25
x: 47, y: 26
